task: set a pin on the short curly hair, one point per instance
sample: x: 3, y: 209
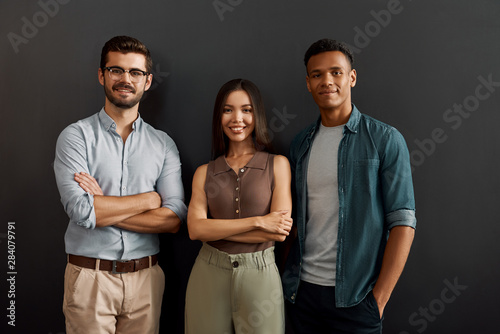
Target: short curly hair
x: 325, y: 45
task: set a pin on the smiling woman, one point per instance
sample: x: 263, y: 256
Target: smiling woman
x: 237, y: 118
x: 240, y: 205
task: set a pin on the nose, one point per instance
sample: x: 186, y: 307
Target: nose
x: 327, y: 80
x: 125, y: 77
x: 237, y: 116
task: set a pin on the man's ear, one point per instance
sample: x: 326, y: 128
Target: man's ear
x: 149, y: 81
x: 353, y: 76
x: 100, y: 75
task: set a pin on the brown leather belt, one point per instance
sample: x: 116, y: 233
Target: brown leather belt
x: 115, y: 266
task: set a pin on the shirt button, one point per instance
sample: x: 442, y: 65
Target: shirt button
x: 237, y: 211
x: 237, y: 199
x: 238, y: 180
x: 242, y: 170
x: 235, y: 264
x: 123, y: 188
x: 237, y: 188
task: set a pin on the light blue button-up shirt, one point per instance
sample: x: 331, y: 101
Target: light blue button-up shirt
x: 375, y: 192
x: 147, y: 161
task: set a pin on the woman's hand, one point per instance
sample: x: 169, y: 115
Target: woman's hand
x: 276, y: 222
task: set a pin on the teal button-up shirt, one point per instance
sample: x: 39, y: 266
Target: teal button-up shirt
x: 375, y: 194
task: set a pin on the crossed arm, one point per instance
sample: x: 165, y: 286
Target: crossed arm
x: 138, y: 213
x: 274, y: 226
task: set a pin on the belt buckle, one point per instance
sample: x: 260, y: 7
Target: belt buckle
x: 113, y: 271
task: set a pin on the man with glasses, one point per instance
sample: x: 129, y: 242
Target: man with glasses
x: 120, y: 184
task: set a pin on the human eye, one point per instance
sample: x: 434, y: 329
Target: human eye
x: 226, y: 110
x: 137, y: 73
x: 337, y: 73
x: 247, y: 109
x: 116, y: 70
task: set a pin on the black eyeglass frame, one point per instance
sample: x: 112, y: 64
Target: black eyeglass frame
x: 110, y: 68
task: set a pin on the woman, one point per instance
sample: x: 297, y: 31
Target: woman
x: 240, y: 205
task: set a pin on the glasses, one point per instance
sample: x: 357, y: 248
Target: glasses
x: 116, y: 73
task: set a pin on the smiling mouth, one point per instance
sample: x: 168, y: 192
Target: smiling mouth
x: 328, y: 92
x: 124, y: 89
x: 238, y: 129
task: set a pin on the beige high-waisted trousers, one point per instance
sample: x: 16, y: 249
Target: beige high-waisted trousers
x: 234, y: 293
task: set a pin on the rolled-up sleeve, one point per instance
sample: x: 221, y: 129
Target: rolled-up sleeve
x: 401, y: 218
x: 70, y: 159
x: 397, y: 184
x: 169, y: 184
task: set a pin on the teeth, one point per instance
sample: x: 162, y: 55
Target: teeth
x: 236, y: 129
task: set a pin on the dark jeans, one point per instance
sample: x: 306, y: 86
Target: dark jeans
x: 314, y: 312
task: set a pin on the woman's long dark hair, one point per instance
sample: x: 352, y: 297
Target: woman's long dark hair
x: 260, y: 136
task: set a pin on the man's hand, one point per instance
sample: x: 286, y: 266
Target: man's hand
x: 381, y: 304
x: 395, y: 256
x: 88, y: 183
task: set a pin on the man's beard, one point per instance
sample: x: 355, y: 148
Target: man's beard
x: 122, y: 104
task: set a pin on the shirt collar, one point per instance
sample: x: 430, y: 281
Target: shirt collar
x: 258, y: 161
x: 352, y: 124
x: 108, y: 122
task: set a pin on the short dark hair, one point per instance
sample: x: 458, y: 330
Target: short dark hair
x: 126, y: 44
x: 325, y: 45
x: 260, y: 135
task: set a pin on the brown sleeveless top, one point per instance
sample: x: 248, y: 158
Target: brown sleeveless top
x: 242, y: 195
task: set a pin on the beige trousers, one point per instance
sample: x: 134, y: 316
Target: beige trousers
x: 101, y: 302
x: 234, y: 293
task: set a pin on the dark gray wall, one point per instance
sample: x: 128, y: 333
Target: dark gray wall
x: 418, y: 63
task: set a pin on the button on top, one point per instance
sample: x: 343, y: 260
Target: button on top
x: 242, y: 170
x: 235, y: 264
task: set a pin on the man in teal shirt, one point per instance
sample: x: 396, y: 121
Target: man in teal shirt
x: 355, y: 209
